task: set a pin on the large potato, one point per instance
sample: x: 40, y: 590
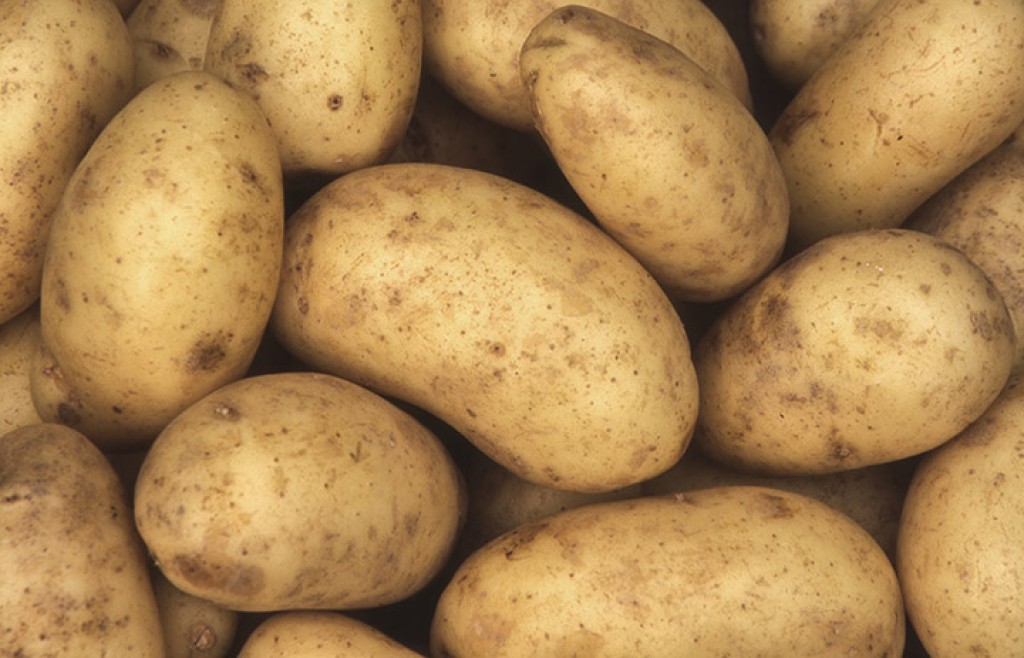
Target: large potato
x: 729, y: 571
x: 305, y: 634
x: 669, y: 162
x: 865, y: 348
x: 163, y: 261
x: 298, y: 490
x: 75, y: 579
x: 499, y: 311
x: 919, y: 93
x: 67, y: 68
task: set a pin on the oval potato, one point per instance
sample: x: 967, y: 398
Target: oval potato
x: 305, y: 634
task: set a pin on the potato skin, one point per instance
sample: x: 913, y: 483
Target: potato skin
x: 865, y: 348
x: 499, y: 311
x: 742, y: 571
x: 169, y: 36
x: 192, y: 627
x: 75, y: 575
x: 304, y: 634
x: 298, y: 490
x: 19, y: 341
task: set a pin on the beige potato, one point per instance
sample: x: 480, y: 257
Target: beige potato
x: 960, y: 557
x: 305, y: 634
x: 499, y: 311
x: 162, y: 264
x: 472, y: 47
x: 867, y: 347
x: 298, y: 491
x: 739, y: 571
x: 338, y: 81
x: 67, y: 69
x: 192, y: 627
x: 75, y: 577
x: 922, y: 91
x: 669, y: 162
x: 169, y: 36
x: 19, y: 340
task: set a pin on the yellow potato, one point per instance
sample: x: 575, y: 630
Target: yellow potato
x: 497, y: 310
x: 338, y: 81
x: 472, y: 47
x: 162, y: 264
x: 75, y: 580
x: 865, y: 348
x: 960, y: 557
x: 670, y: 163
x: 306, y: 634
x: 19, y: 340
x: 169, y: 36
x: 298, y: 491
x: 729, y: 571
x: 192, y: 627
x: 67, y: 69
x: 923, y: 90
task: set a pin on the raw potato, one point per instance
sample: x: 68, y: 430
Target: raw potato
x: 867, y: 347
x: 669, y: 162
x: 923, y: 90
x: 169, y: 36
x: 19, y: 340
x: 317, y: 634
x: 737, y: 571
x: 298, y: 490
x: 472, y: 47
x: 497, y: 310
x: 75, y: 577
x: 960, y: 557
x: 337, y: 80
x: 67, y: 69
x: 163, y: 262
x: 192, y: 627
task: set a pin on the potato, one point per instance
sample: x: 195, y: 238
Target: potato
x: 304, y: 634
x: 67, y: 69
x: 960, y: 557
x: 162, y: 264
x: 795, y: 37
x: 75, y: 577
x: 19, y: 340
x: 192, y: 627
x: 920, y: 92
x: 472, y: 47
x: 169, y: 36
x: 497, y: 310
x: 739, y: 571
x: 338, y: 81
x: 865, y: 348
x: 670, y: 163
x: 298, y: 490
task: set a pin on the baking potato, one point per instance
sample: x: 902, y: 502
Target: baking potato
x: 19, y: 340
x: 67, y: 69
x: 960, y: 557
x: 169, y: 36
x: 298, y: 490
x: 669, y: 162
x: 920, y: 92
x: 75, y: 580
x: 867, y: 347
x: 162, y: 264
x: 305, y: 634
x: 192, y: 627
x: 499, y: 311
x: 737, y: 571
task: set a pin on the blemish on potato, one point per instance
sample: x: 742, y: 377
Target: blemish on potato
x: 68, y: 415
x: 235, y: 578
x: 226, y: 412
x: 335, y: 102
x: 206, y: 354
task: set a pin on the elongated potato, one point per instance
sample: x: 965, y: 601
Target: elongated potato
x: 501, y: 312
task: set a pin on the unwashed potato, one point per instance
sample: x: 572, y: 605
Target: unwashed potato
x: 923, y: 90
x: 192, y: 627
x: 67, y: 68
x: 499, y: 311
x: 669, y: 162
x: 19, y: 341
x: 337, y: 80
x: 169, y: 36
x: 865, y: 348
x: 304, y: 634
x: 960, y: 557
x: 162, y: 264
x: 298, y: 491
x: 75, y: 579
x: 728, y: 571
x: 472, y: 47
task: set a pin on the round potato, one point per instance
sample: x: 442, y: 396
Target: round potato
x: 304, y: 634
x: 865, y: 348
x: 669, y: 162
x: 740, y: 571
x: 192, y: 627
x: 162, y: 264
x: 169, y: 36
x: 506, y: 315
x: 19, y: 341
x: 298, y: 490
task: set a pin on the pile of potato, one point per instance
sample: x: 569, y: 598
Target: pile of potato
x: 464, y: 328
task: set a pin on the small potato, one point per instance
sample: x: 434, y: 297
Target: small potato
x: 298, y: 490
x: 727, y: 571
x: 867, y: 347
x: 169, y: 36
x: 75, y: 580
x: 192, y: 627
x: 305, y: 634
x: 19, y: 341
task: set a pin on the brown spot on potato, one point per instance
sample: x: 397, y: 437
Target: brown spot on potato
x: 207, y: 353
x: 230, y: 577
x: 790, y: 123
x: 253, y: 72
x: 776, y: 507
x: 202, y: 637
x: 202, y: 8
x: 225, y: 411
x: 68, y: 415
x: 335, y: 102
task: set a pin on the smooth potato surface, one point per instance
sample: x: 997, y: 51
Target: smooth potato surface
x: 311, y: 634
